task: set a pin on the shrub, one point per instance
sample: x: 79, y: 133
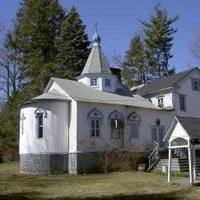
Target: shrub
x: 121, y: 160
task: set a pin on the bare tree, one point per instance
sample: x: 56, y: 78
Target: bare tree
x: 196, y: 46
x: 9, y: 69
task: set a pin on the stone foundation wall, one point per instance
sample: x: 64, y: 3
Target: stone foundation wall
x: 71, y: 163
x: 89, y: 162
x: 43, y: 163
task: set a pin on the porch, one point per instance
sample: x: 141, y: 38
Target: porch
x: 183, y: 136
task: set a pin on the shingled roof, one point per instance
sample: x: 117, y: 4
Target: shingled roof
x: 191, y: 125
x: 164, y: 83
x: 80, y: 92
x: 96, y: 62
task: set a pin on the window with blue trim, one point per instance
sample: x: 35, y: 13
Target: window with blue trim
x: 95, y: 118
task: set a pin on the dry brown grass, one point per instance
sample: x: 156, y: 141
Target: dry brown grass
x: 112, y: 186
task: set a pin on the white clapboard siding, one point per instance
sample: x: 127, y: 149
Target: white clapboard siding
x: 55, y: 135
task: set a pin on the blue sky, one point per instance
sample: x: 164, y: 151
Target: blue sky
x: 119, y: 19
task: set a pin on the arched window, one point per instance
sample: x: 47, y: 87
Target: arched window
x: 40, y: 114
x: 95, y: 118
x: 116, y: 124
x: 133, y: 124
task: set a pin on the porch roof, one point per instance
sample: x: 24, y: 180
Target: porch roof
x: 190, y: 125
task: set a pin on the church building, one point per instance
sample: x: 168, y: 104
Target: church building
x: 65, y: 129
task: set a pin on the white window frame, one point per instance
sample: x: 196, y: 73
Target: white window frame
x: 116, y: 124
x: 134, y: 125
x: 94, y: 82
x: 184, y: 102
x: 196, y: 84
x: 160, y: 102
x: 134, y: 129
x: 40, y: 127
x: 96, y: 129
x: 95, y: 118
x: 38, y: 113
x: 107, y: 82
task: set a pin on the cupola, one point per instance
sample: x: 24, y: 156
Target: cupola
x: 96, y: 72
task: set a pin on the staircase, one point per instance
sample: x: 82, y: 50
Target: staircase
x: 158, y: 160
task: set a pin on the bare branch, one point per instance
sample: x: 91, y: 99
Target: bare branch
x: 195, y: 48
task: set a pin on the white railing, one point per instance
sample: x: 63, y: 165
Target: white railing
x: 154, y: 156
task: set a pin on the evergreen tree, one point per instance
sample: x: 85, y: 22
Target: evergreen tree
x: 9, y: 121
x: 36, y: 29
x: 159, y: 40
x: 72, y: 45
x: 135, y: 61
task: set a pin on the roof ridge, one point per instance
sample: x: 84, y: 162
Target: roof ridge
x: 164, y: 83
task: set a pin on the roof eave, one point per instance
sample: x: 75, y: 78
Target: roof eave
x: 158, y: 91
x: 38, y: 100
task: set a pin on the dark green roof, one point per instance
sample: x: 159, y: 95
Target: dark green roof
x: 164, y: 83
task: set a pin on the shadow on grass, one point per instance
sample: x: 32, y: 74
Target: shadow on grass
x: 178, y: 195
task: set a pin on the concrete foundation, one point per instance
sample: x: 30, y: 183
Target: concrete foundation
x: 71, y: 163
x: 44, y: 163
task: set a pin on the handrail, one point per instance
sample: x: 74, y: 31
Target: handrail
x: 153, y: 157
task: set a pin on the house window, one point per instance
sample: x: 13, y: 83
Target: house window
x: 157, y: 134
x: 40, y: 115
x: 182, y: 102
x: 93, y: 82
x: 196, y: 84
x: 160, y: 102
x: 40, y: 125
x: 107, y: 83
x: 116, y: 123
x: 95, y: 127
x: 95, y: 118
x: 134, y: 124
x: 134, y: 130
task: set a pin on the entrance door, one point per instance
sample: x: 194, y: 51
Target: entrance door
x: 157, y: 135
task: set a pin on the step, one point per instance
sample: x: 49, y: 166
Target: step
x: 177, y: 165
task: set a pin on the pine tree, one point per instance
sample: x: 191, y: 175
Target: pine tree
x: 36, y: 29
x: 159, y: 40
x: 135, y: 60
x: 9, y: 120
x: 72, y: 45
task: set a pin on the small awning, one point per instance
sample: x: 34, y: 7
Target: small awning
x: 187, y: 128
x: 184, y: 133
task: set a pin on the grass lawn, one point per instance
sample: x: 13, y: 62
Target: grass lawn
x: 112, y: 186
